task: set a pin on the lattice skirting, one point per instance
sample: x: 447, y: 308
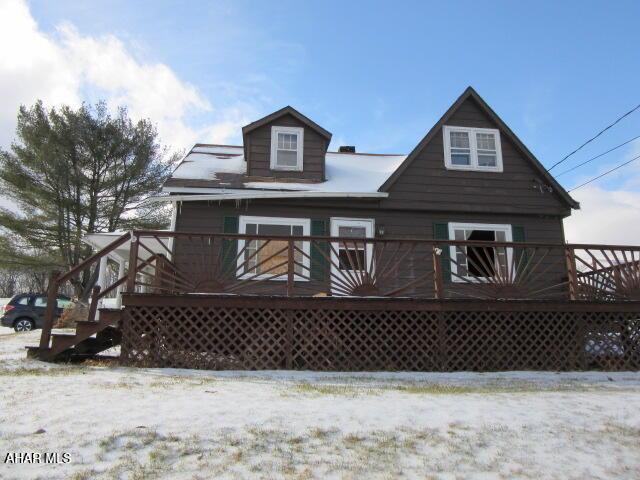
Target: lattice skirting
x: 232, y: 337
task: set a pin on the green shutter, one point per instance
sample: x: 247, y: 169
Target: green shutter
x: 518, y: 233
x: 520, y: 254
x: 229, y: 247
x: 441, y: 232
x: 319, y: 263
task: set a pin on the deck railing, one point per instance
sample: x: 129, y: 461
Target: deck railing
x: 182, y: 262
x: 382, y: 267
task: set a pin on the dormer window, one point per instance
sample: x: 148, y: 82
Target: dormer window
x: 286, y: 148
x: 472, y: 149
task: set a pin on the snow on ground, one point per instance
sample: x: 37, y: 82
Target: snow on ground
x: 3, y: 302
x: 118, y: 422
x: 6, y: 330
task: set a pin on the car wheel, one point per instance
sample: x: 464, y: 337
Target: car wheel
x: 23, y: 325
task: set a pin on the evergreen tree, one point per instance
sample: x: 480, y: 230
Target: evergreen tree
x: 74, y: 172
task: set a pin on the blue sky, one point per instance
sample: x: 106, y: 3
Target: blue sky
x: 375, y: 74
x: 379, y: 74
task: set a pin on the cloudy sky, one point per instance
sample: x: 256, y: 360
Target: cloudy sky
x: 376, y: 74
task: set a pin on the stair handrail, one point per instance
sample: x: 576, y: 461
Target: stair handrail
x: 56, y: 279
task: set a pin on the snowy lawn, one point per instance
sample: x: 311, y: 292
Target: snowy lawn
x: 3, y: 302
x: 160, y: 423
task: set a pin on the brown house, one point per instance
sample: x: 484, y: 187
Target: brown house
x: 283, y: 254
x: 469, y: 178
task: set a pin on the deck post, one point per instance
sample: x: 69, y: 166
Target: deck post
x: 52, y: 303
x: 443, y: 361
x: 437, y: 272
x: 572, y: 272
x: 93, y: 306
x: 289, y: 313
x: 133, y: 263
x: 289, y: 340
x: 290, y: 269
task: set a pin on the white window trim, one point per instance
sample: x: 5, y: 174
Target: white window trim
x: 453, y: 226
x: 305, y: 223
x: 367, y: 223
x: 275, y: 130
x: 473, y: 149
x: 336, y: 222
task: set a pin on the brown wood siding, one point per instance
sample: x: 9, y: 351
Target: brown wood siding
x: 208, y: 218
x: 258, y: 146
x: 204, y: 217
x: 427, y: 184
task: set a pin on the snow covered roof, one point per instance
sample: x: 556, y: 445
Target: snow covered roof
x: 209, y: 167
x: 203, y: 162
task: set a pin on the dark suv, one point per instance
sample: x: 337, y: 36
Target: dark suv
x: 26, y: 312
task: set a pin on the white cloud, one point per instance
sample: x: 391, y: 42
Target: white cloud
x: 65, y: 67
x: 610, y: 217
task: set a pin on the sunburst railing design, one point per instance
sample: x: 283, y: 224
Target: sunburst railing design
x: 366, y: 267
x: 488, y: 271
x: 381, y: 267
x: 608, y: 273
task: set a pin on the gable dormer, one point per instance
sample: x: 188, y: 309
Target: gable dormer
x: 470, y: 160
x: 286, y: 144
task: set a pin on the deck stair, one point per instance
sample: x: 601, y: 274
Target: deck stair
x: 90, y: 338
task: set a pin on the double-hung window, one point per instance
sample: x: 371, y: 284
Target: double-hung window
x: 352, y: 262
x: 479, y: 262
x: 472, y: 149
x: 286, y: 148
x: 269, y: 259
x: 352, y: 254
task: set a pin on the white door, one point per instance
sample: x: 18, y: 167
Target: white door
x: 351, y: 261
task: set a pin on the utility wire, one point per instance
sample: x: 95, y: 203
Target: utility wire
x: 605, y: 173
x: 598, y: 156
x: 593, y: 138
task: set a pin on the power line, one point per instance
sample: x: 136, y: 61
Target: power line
x: 605, y: 173
x: 594, y: 137
x: 598, y: 156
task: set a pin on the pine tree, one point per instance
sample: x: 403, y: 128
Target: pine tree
x: 74, y: 172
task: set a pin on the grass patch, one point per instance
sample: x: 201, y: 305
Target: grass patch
x: 39, y: 372
x: 494, y: 451
x: 186, y: 381
x: 353, y: 390
x: 83, y: 475
x: 132, y: 440
x: 330, y: 389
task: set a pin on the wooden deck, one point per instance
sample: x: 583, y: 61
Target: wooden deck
x: 248, y: 301
x: 373, y: 334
